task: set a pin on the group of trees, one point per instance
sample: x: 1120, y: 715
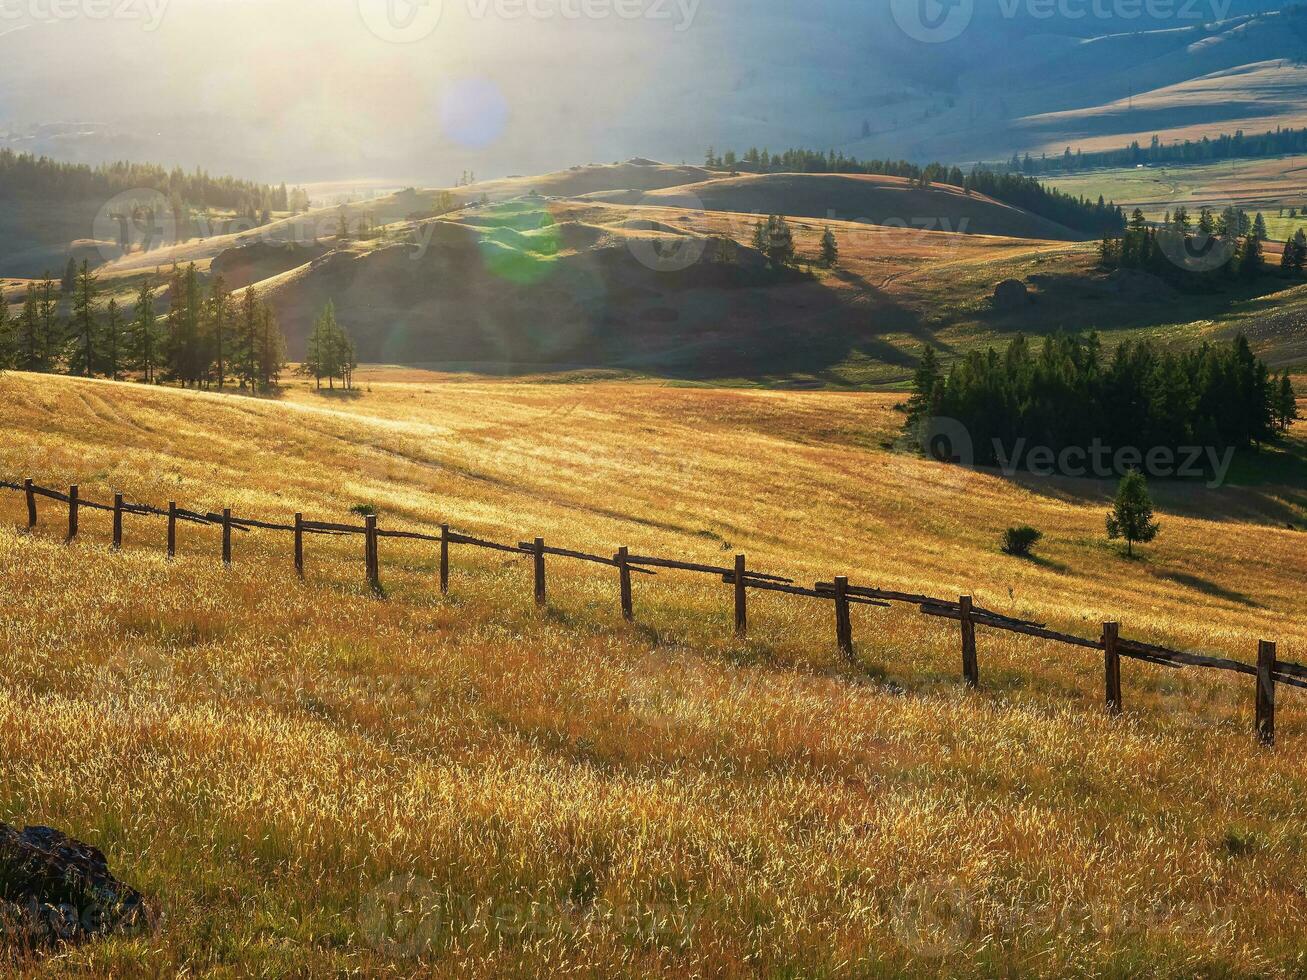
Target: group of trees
x: 1069, y: 394
x: 1193, y: 252
x: 330, y: 352
x: 1080, y: 213
x: 775, y: 239
x: 206, y: 338
x: 26, y: 175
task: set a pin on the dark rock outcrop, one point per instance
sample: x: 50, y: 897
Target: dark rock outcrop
x: 1011, y: 294
x: 54, y: 888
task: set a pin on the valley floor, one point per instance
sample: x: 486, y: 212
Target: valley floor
x: 311, y: 780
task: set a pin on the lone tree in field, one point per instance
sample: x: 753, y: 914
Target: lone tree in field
x: 1131, y: 516
x: 830, y: 249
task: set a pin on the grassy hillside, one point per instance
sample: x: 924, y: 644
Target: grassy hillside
x: 287, y: 767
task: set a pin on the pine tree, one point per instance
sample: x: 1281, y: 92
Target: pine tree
x: 1286, y: 403
x: 271, y: 348
x: 30, y: 347
x: 1259, y: 228
x: 8, y: 336
x: 247, y: 364
x: 780, y: 241
x: 219, y: 310
x: 69, y: 281
x: 143, y: 339
x: 830, y: 249
x: 51, y: 333
x: 926, y: 382
x: 1299, y: 259
x: 1131, y: 516
x: 113, y: 340
x: 1250, y: 258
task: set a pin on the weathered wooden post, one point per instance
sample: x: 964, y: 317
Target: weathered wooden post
x: 970, y: 669
x: 72, y: 512
x: 538, y: 550
x: 226, y: 535
x: 624, y: 582
x: 741, y: 599
x: 117, y: 521
x: 1112, y: 667
x: 299, y: 545
x: 444, y: 559
x: 172, y: 529
x: 31, y: 503
x: 370, y: 551
x: 843, y: 621
x: 1266, y: 692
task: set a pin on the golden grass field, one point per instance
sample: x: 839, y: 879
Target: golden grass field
x: 310, y: 780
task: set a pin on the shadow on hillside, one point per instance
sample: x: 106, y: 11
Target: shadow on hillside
x: 1208, y: 587
x: 1073, y: 301
x: 339, y: 394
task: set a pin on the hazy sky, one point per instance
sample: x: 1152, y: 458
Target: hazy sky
x: 323, y: 89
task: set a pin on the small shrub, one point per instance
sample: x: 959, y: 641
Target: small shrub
x: 364, y: 510
x: 1019, y: 540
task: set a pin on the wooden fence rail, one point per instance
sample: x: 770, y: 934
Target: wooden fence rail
x: 1268, y: 671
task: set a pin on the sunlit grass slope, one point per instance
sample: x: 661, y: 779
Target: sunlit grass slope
x: 311, y: 780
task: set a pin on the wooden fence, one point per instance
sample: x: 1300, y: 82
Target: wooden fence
x: 1267, y: 673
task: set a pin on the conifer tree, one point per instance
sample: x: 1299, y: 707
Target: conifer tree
x: 1286, y: 404
x: 219, y: 310
x: 31, y: 349
x: 1259, y: 228
x: 51, y: 333
x: 143, y: 339
x: 271, y: 348
x: 830, y: 249
x: 113, y: 340
x: 8, y: 337
x: 1131, y: 516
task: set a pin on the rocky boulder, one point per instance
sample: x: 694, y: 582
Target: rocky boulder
x: 54, y: 888
x: 1011, y: 294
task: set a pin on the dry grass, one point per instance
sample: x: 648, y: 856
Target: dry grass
x: 287, y: 767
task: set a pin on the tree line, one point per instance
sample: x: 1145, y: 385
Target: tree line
x: 1069, y: 393
x: 1078, y: 213
x: 27, y: 175
x: 206, y: 338
x: 1198, y: 253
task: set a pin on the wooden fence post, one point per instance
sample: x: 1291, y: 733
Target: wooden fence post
x: 226, y: 535
x: 1266, y: 692
x: 172, y: 529
x: 539, y: 563
x: 843, y: 621
x: 117, y: 521
x: 444, y: 559
x: 72, y: 512
x: 970, y: 668
x: 1112, y: 667
x: 370, y: 551
x: 299, y: 545
x: 624, y: 581
x: 741, y: 599
x: 31, y: 504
